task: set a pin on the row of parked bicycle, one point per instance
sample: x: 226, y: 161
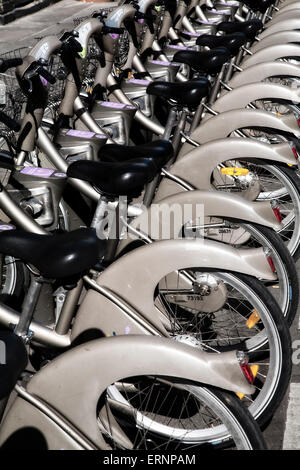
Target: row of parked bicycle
x: 150, y: 118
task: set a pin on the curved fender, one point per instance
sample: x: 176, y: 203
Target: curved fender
x: 287, y: 6
x: 285, y: 15
x: 101, y: 363
x: 259, y: 72
x: 222, y: 125
x: 272, y: 53
x: 214, y: 203
x: 284, y: 25
x: 146, y: 266
x: 134, y: 278
x: 241, y: 96
x: 283, y: 37
x: 197, y: 166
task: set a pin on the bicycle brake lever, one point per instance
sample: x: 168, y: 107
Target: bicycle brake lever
x: 30, y: 85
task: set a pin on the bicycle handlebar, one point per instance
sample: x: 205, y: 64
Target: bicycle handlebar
x: 6, y: 64
x: 9, y: 122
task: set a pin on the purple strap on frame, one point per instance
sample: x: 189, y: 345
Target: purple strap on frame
x: 41, y: 172
x: 159, y: 62
x: 6, y: 227
x: 179, y: 48
x: 211, y: 23
x: 81, y: 134
x: 139, y: 82
x: 188, y: 33
x: 112, y: 104
x: 37, y: 171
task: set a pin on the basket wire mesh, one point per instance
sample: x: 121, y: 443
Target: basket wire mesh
x: 94, y: 54
x: 90, y: 64
x: 14, y: 100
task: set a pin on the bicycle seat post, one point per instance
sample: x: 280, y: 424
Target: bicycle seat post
x: 99, y: 212
x: 198, y: 115
x: 177, y: 133
x: 170, y: 122
x: 216, y: 86
x: 29, y: 304
x: 21, y: 158
x: 151, y: 187
x: 227, y: 76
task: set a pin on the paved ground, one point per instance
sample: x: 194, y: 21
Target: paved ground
x: 283, y: 432
x: 284, y: 429
x: 50, y: 20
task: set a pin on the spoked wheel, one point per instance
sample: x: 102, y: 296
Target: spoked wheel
x: 261, y: 182
x: 13, y: 281
x: 165, y: 414
x: 262, y: 135
x: 285, y: 288
x: 218, y: 311
x: 280, y: 109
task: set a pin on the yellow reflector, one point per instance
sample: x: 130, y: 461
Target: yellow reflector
x: 234, y: 171
x: 253, y: 319
x: 254, y: 369
x: 240, y: 395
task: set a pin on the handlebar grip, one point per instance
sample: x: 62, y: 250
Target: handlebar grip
x: 9, y: 122
x: 112, y: 30
x: 74, y: 45
x: 6, y: 64
x: 47, y: 75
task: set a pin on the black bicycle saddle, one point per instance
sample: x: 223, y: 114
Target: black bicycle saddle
x: 58, y: 256
x: 115, y: 179
x: 159, y: 151
x: 185, y: 93
x: 249, y: 28
x: 209, y: 62
x: 232, y: 42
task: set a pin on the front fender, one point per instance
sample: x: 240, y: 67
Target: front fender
x: 288, y: 5
x: 242, y: 96
x: 197, y: 166
x: 146, y: 266
x: 289, y: 14
x: 222, y: 125
x: 214, y: 204
x: 283, y: 37
x: 103, y: 362
x: 134, y: 278
x: 272, y: 53
x: 284, y: 25
x: 259, y: 72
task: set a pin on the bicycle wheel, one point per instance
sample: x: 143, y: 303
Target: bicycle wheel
x: 13, y: 281
x: 274, y: 182
x: 165, y: 414
x: 218, y: 311
x: 241, y: 235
